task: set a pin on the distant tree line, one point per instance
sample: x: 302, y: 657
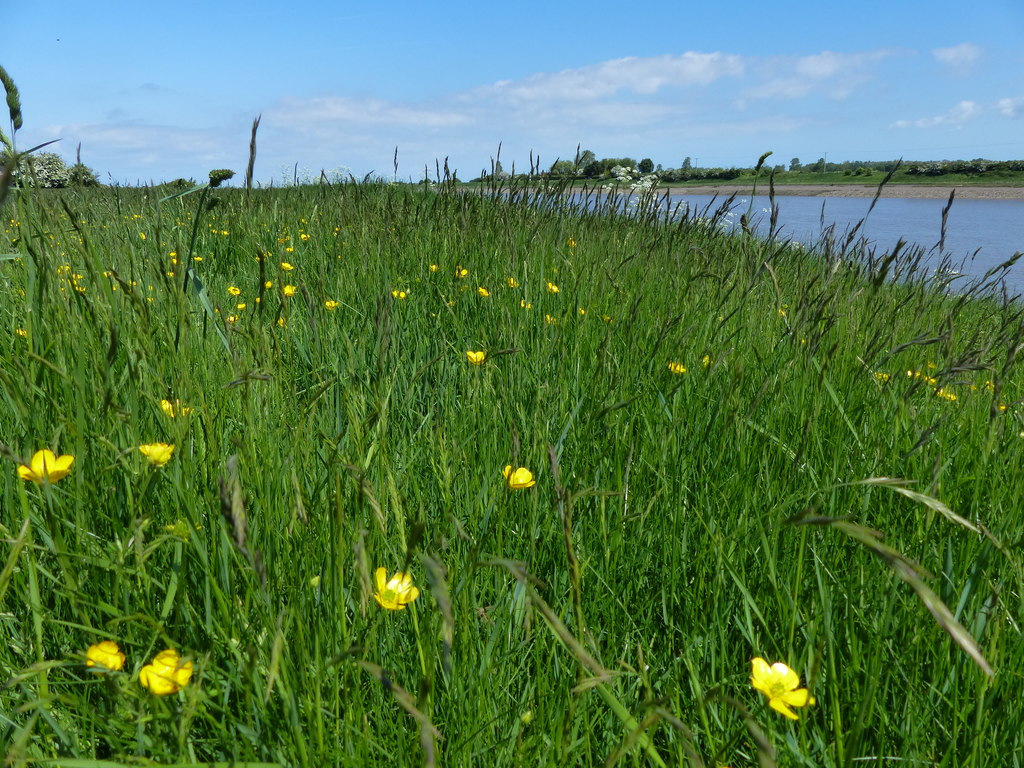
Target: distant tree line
x: 970, y: 167
x: 587, y: 166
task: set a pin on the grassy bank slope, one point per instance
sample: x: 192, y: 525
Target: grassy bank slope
x: 828, y: 474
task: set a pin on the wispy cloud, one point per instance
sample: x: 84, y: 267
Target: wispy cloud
x: 955, y: 117
x: 646, y: 76
x: 354, y: 111
x: 959, y: 58
x: 1011, y: 107
x: 145, y: 148
x: 831, y: 74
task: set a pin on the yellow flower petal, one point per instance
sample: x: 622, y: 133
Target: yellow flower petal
x: 784, y: 676
x: 779, y: 683
x: 395, y: 593
x: 46, y: 466
x: 798, y: 698
x: 166, y: 674
x: 105, y: 654
x: 158, y: 454
x: 518, y: 479
x: 779, y: 706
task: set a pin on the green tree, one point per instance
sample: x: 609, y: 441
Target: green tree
x: 563, y: 169
x: 585, y: 158
x: 81, y: 175
x: 47, y: 170
x: 608, y: 163
x: 646, y: 165
x: 794, y: 164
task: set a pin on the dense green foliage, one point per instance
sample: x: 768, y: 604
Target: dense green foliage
x: 683, y: 521
x: 978, y: 171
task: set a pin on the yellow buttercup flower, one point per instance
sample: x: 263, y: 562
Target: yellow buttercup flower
x: 234, y: 290
x: 525, y: 304
x: 434, y: 268
x: 394, y: 593
x: 552, y: 288
x: 180, y: 529
x: 166, y: 674
x: 512, y: 282
x: 46, y: 466
x: 476, y: 358
x: 483, y: 292
x: 289, y: 290
x: 400, y: 295
x: 461, y: 271
x: 105, y: 654
x: 286, y: 266
x: 571, y: 243
x: 677, y: 367
x: 174, y: 409
x: 518, y: 479
x: 780, y: 684
x: 157, y: 453
x: 331, y: 304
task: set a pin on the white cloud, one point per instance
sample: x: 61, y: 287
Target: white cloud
x: 353, y: 111
x: 959, y: 58
x: 834, y: 75
x: 136, y: 137
x: 645, y: 76
x: 1011, y: 107
x: 955, y: 117
x: 145, y: 151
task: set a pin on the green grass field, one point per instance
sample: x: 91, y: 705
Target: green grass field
x: 833, y: 482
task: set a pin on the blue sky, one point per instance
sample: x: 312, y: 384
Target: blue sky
x: 161, y: 91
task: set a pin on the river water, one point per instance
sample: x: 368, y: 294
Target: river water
x: 980, y: 234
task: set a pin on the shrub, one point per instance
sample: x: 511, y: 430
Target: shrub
x: 81, y: 175
x: 46, y: 170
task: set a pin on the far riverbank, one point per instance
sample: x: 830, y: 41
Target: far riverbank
x: 922, y: 191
